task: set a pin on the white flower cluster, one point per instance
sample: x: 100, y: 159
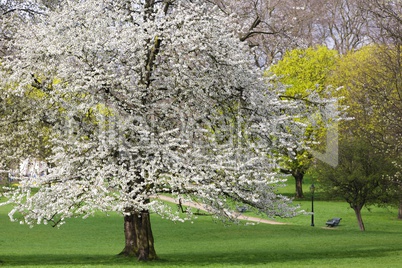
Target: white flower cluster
x: 144, y: 100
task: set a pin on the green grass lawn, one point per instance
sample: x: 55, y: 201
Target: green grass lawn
x: 95, y: 242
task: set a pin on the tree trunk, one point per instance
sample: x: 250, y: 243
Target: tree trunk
x: 400, y: 209
x: 359, y: 218
x: 299, y: 184
x: 139, y: 241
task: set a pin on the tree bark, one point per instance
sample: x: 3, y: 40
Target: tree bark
x: 299, y: 184
x: 359, y: 218
x: 139, y: 241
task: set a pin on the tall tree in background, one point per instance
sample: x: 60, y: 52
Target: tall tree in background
x: 273, y: 27
x: 140, y: 84
x: 371, y: 78
x: 386, y: 16
x: 343, y: 25
x: 266, y: 25
x: 306, y: 72
x: 386, y: 20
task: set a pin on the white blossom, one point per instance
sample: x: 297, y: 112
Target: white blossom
x: 145, y: 103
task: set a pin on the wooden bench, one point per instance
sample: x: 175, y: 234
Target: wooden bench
x: 333, y: 222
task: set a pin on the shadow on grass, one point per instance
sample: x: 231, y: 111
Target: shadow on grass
x: 257, y: 258
x: 63, y: 260
x: 240, y: 258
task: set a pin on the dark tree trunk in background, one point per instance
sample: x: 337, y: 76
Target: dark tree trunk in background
x: 139, y: 241
x: 359, y: 217
x: 400, y: 209
x: 299, y: 184
x: 298, y: 174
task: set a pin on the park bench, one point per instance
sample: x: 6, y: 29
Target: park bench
x: 333, y: 222
x: 242, y: 209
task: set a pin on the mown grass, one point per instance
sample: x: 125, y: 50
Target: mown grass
x: 95, y: 242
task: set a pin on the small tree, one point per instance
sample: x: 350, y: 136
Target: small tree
x: 359, y: 178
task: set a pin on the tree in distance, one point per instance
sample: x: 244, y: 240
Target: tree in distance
x: 360, y: 176
x: 371, y: 78
x: 306, y: 72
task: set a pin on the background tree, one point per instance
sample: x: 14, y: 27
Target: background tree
x: 273, y: 27
x: 397, y: 179
x: 386, y: 21
x: 386, y: 17
x: 343, y: 25
x: 306, y: 71
x: 359, y: 177
x: 265, y: 25
x: 371, y: 77
x: 140, y: 85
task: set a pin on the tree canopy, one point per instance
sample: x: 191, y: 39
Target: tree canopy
x: 306, y: 73
x: 305, y: 70
x: 139, y: 86
x: 370, y: 78
x: 360, y: 177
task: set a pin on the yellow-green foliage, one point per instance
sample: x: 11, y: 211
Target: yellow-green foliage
x: 370, y: 77
x: 305, y: 69
x: 39, y: 89
x: 40, y: 86
x: 365, y: 68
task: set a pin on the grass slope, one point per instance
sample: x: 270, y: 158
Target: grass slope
x: 95, y: 242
